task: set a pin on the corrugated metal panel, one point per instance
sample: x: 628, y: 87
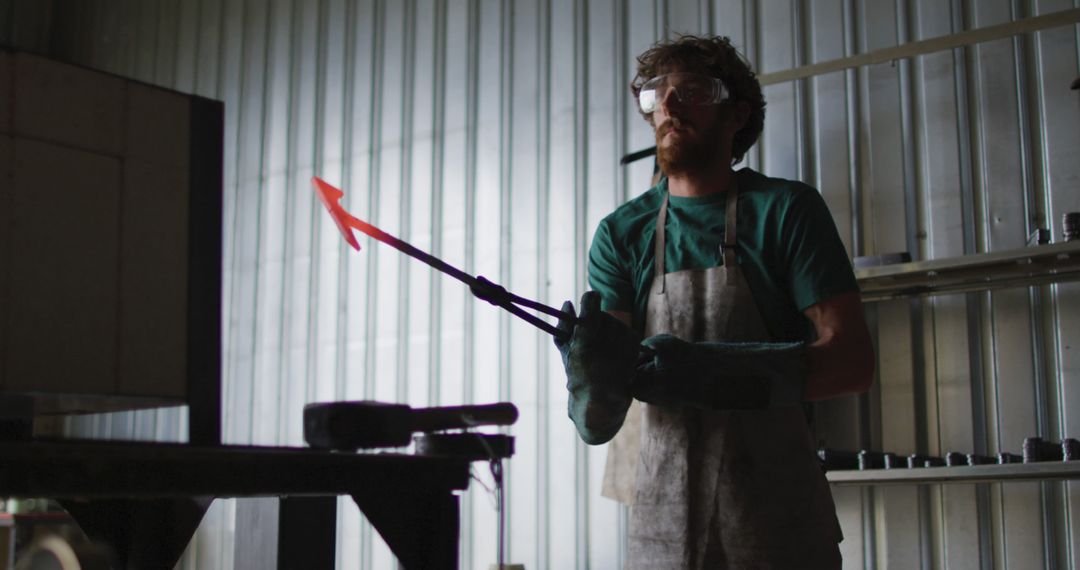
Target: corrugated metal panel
x: 489, y: 131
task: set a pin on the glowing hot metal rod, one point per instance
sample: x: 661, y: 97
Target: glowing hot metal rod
x: 481, y: 287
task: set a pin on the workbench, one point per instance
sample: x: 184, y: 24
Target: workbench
x: 146, y: 499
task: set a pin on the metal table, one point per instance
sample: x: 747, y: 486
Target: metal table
x: 146, y: 499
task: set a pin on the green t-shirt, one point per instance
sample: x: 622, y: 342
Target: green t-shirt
x: 787, y: 246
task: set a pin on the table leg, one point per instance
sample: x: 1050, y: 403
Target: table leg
x: 420, y: 527
x: 287, y: 533
x: 143, y: 533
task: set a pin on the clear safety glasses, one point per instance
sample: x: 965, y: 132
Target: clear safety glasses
x: 690, y: 89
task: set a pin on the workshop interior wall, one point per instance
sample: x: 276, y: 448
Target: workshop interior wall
x: 488, y: 132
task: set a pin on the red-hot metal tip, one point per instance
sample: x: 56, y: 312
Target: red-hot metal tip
x: 330, y: 196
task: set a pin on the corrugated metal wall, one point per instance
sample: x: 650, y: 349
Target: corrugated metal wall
x: 488, y: 132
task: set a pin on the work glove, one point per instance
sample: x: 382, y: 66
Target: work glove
x: 599, y: 353
x: 720, y: 375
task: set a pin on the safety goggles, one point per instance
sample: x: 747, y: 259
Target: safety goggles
x: 690, y: 89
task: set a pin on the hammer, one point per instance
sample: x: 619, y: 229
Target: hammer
x: 365, y: 425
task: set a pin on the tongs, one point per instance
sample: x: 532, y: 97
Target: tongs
x: 480, y: 287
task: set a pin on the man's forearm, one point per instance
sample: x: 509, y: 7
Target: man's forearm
x: 841, y: 360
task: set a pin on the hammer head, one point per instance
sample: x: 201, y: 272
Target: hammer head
x: 329, y: 196
x: 357, y: 425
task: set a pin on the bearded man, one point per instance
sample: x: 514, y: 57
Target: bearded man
x: 745, y: 297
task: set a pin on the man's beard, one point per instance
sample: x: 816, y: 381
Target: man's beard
x: 686, y: 155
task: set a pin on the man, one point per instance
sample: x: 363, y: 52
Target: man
x: 747, y: 300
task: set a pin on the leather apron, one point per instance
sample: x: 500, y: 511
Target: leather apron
x: 730, y: 489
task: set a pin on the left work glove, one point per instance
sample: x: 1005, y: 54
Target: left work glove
x: 721, y: 375
x: 600, y: 356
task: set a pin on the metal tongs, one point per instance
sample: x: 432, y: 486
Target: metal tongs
x: 480, y: 287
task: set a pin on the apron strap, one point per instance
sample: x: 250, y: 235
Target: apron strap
x: 727, y: 250
x: 658, y: 253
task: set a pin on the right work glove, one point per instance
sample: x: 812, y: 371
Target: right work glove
x: 721, y: 375
x: 599, y: 353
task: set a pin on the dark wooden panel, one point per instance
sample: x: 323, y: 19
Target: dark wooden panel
x: 7, y: 178
x: 157, y: 124
x: 5, y: 90
x: 68, y: 105
x: 153, y: 280
x: 63, y: 278
x: 207, y: 132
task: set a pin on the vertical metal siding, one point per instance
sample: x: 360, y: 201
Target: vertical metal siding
x: 488, y: 132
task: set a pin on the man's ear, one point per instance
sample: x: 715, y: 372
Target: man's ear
x: 740, y: 114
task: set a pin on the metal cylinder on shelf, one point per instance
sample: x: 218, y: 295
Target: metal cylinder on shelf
x: 1070, y: 226
x: 976, y: 459
x: 871, y: 459
x: 838, y: 460
x: 1003, y: 458
x: 894, y: 461
x: 1070, y: 449
x: 1038, y: 449
x: 955, y: 459
x: 917, y: 461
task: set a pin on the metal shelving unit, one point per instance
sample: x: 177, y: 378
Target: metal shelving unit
x: 1036, y: 265
x: 1042, y: 471
x: 1029, y: 266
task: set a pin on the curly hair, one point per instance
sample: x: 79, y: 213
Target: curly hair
x: 714, y: 56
